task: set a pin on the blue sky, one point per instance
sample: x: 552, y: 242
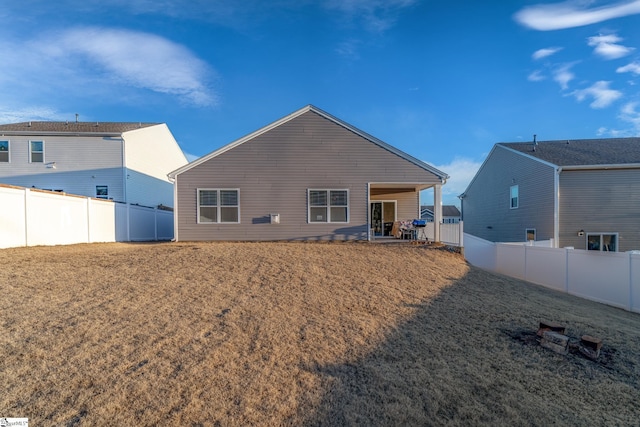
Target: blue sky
x: 442, y: 81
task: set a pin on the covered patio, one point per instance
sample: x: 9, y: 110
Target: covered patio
x: 392, y: 202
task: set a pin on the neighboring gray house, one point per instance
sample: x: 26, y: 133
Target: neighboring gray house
x: 580, y: 193
x: 124, y: 162
x: 450, y: 214
x: 307, y: 176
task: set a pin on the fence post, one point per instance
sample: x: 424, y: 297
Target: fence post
x: 155, y: 222
x: 88, y: 207
x: 27, y: 194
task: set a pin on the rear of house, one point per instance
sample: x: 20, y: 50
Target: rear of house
x: 308, y: 176
x: 580, y: 193
x: 510, y: 199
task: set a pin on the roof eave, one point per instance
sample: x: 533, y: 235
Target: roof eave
x: 607, y: 166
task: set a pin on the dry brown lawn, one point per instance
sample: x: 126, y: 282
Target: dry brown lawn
x: 236, y: 334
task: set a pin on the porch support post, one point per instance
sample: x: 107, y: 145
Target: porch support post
x: 437, y: 211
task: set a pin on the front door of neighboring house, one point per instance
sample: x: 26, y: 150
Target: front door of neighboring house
x: 383, y: 214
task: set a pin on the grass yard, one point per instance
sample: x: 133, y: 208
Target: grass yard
x: 304, y: 334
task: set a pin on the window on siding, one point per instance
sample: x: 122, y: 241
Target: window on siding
x: 514, y: 197
x: 328, y: 205
x: 4, y: 151
x: 218, y: 206
x: 102, y: 191
x: 530, y: 234
x: 36, y: 151
x: 606, y: 242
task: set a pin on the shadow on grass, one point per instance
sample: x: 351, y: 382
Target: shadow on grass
x: 467, y: 357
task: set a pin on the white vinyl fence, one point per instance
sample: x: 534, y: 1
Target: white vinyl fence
x: 611, y: 278
x: 451, y: 234
x: 34, y: 217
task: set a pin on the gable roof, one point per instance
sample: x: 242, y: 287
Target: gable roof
x: 53, y: 128
x: 447, y: 210
x: 443, y: 176
x: 582, y: 152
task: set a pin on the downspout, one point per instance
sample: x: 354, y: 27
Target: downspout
x: 124, y: 171
x: 174, y: 180
x: 556, y: 207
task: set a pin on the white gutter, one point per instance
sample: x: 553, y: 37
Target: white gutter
x: 124, y: 170
x: 610, y: 166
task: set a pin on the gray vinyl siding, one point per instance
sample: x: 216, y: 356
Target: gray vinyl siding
x: 81, y: 163
x: 602, y: 201
x: 486, y: 205
x: 274, y: 170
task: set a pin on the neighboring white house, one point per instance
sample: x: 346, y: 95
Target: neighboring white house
x: 124, y: 162
x: 450, y: 214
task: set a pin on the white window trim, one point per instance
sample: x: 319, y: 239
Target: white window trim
x: 102, y: 197
x: 535, y: 234
x: 517, y: 196
x: 30, y: 152
x: 218, y: 206
x: 328, y: 221
x: 8, y: 150
x: 598, y: 233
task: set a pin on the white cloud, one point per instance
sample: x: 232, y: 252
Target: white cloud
x: 606, y: 46
x: 376, y: 15
x: 543, y: 53
x: 633, y: 67
x: 563, y: 75
x: 17, y: 115
x: 461, y: 171
x: 630, y: 114
x: 349, y: 49
x: 569, y: 14
x: 137, y: 59
x: 106, y: 64
x: 536, y: 76
x: 602, y: 95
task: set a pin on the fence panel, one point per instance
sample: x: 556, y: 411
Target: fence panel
x: 510, y: 260
x: 12, y: 218
x: 102, y: 224
x: 602, y: 277
x: 606, y: 277
x: 480, y: 252
x: 142, y: 224
x: 547, y: 267
x: 450, y: 233
x: 53, y: 219
x: 29, y: 217
x: 165, y: 224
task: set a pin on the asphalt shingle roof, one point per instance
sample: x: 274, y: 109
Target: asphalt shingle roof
x: 582, y: 152
x: 447, y: 210
x: 74, y: 127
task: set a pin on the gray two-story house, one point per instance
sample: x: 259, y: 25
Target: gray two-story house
x: 578, y: 193
x: 125, y: 162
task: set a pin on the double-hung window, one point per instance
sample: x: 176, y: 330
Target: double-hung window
x: 4, y: 151
x: 514, y: 197
x: 218, y: 206
x: 328, y: 206
x: 36, y: 151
